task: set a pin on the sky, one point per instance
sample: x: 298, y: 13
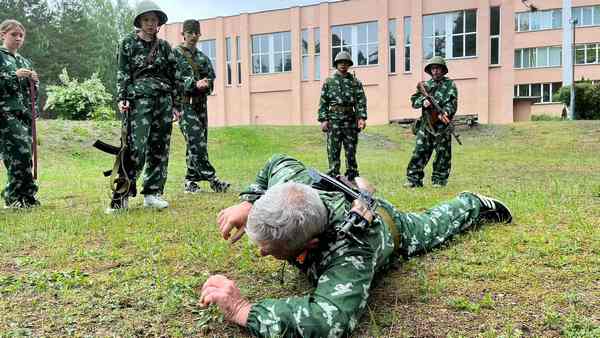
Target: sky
x: 180, y: 10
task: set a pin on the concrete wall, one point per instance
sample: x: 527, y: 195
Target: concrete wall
x: 286, y: 99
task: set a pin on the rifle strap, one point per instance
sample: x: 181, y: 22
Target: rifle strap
x: 149, y: 58
x: 189, y: 57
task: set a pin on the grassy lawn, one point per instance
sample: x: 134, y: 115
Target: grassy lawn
x: 67, y: 269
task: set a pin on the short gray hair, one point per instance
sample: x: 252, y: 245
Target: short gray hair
x: 289, y: 212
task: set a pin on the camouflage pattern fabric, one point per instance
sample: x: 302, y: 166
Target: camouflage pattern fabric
x: 151, y: 90
x: 15, y: 128
x: 194, y: 120
x: 343, y: 269
x: 342, y: 103
x: 433, y: 137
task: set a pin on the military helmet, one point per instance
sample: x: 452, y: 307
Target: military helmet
x: 192, y: 26
x: 343, y: 56
x: 436, y: 60
x: 147, y: 6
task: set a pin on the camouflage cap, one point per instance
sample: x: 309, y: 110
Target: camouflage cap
x: 147, y: 6
x: 343, y: 56
x: 436, y: 60
x: 192, y: 26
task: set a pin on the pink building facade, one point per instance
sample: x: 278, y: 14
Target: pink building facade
x: 506, y: 59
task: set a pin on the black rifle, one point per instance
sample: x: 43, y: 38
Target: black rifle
x: 433, y: 117
x: 364, y: 194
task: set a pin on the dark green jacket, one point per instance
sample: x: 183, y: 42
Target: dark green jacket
x: 446, y: 95
x: 344, y: 91
x: 201, y: 68
x: 14, y: 92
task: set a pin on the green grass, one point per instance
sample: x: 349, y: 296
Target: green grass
x: 66, y: 269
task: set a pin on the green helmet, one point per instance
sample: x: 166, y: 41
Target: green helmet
x: 147, y: 6
x: 343, y: 56
x: 192, y: 26
x: 436, y: 60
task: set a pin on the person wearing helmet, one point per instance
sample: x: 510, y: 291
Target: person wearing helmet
x: 148, y: 80
x: 193, y: 119
x: 433, y: 132
x: 342, y: 114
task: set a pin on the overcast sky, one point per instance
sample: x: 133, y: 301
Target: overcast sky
x: 180, y: 10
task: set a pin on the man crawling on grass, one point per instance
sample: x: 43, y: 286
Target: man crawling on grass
x: 289, y: 219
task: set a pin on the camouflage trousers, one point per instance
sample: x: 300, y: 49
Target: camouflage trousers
x: 425, y: 144
x: 194, y: 127
x: 15, y: 136
x: 345, y: 134
x: 149, y: 141
x: 422, y: 232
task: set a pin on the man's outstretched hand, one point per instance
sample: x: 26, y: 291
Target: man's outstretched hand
x: 223, y: 292
x: 234, y: 217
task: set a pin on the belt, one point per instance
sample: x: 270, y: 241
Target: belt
x: 387, y: 219
x: 342, y: 109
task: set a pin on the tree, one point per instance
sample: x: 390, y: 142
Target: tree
x: 587, y: 99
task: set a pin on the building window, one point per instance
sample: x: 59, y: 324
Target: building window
x: 228, y: 60
x: 209, y: 48
x: 587, y: 54
x: 317, y: 36
x: 238, y: 59
x: 538, y: 57
x: 392, y: 42
x: 305, y: 56
x: 538, y: 20
x: 407, y: 42
x: 271, y: 53
x: 586, y: 16
x: 359, y: 40
x: 494, y: 35
x: 450, y: 35
x: 544, y: 91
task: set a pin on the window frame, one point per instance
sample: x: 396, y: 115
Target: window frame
x: 532, y: 57
x: 496, y: 37
x: 271, y: 53
x: 228, y: 65
x: 355, y: 45
x: 448, y: 36
x: 554, y: 14
x: 407, y: 39
x: 551, y: 90
x: 317, y: 53
x: 211, y: 52
x: 393, y: 43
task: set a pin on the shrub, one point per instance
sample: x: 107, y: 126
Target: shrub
x: 587, y: 99
x: 78, y: 101
x: 103, y: 113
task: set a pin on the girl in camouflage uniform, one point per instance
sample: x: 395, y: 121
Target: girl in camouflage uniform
x: 16, y: 118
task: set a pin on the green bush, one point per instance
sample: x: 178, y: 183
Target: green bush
x: 78, y: 101
x: 545, y: 117
x: 587, y: 99
x: 103, y: 113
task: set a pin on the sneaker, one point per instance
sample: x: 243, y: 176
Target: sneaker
x: 492, y: 210
x: 31, y: 202
x: 191, y: 187
x: 219, y: 186
x: 155, y: 201
x: 23, y: 203
x: 411, y: 185
x: 18, y: 204
x: 117, y: 204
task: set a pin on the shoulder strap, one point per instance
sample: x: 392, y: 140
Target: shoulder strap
x: 188, y: 57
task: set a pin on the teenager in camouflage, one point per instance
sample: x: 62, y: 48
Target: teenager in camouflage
x: 148, y: 80
x: 194, y: 120
x: 290, y: 218
x: 433, y: 133
x: 16, y: 117
x: 343, y: 114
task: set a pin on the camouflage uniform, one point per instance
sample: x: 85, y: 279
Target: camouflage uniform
x: 343, y: 269
x: 194, y: 120
x: 342, y: 103
x: 15, y: 129
x: 150, y: 91
x: 433, y: 137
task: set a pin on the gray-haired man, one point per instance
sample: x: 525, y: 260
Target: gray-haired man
x: 291, y: 220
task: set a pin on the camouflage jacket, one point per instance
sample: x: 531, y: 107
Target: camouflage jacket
x: 201, y: 68
x: 341, y: 269
x: 342, y: 91
x: 14, y: 92
x: 162, y: 76
x: 446, y: 95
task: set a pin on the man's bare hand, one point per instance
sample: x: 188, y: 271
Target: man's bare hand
x: 123, y: 106
x: 234, y: 217
x: 176, y: 115
x: 361, y: 208
x: 426, y: 103
x: 202, y: 84
x: 223, y: 292
x: 362, y: 124
x: 325, y: 126
x: 445, y: 118
x: 23, y: 73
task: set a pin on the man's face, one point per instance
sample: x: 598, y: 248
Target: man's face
x: 191, y: 37
x: 437, y: 72
x: 14, y: 38
x: 343, y: 66
x: 277, y: 249
x: 149, y: 23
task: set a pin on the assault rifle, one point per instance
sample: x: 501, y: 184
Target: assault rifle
x: 364, y: 194
x: 437, y: 110
x: 33, y: 94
